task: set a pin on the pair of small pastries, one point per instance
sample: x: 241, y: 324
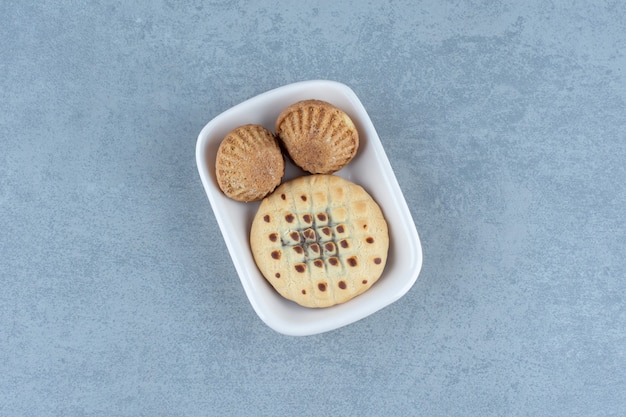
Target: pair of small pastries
x: 319, y: 137
x: 320, y: 240
x: 249, y: 163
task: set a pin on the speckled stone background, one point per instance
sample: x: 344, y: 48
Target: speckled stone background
x: 505, y: 125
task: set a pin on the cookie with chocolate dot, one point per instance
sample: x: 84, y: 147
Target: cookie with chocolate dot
x: 309, y: 241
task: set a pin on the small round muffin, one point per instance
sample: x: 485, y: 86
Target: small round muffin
x: 249, y: 163
x: 318, y: 137
x: 320, y: 240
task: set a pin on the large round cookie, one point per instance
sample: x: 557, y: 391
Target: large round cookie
x: 320, y: 240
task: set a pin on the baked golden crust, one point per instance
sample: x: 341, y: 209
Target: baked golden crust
x: 318, y: 137
x: 320, y: 240
x: 249, y: 163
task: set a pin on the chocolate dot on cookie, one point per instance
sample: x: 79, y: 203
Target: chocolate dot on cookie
x: 295, y: 236
x: 344, y: 243
x: 321, y: 217
x: 276, y: 254
x: 266, y: 218
x: 298, y: 250
x: 300, y: 267
x: 340, y: 228
x: 273, y: 237
x: 370, y: 240
x: 377, y: 261
x: 289, y: 218
x: 315, y: 248
x: 352, y: 261
x: 342, y: 285
x: 303, y: 292
x: 277, y: 275
x: 364, y: 282
x: 307, y: 218
x: 321, y: 286
x: 303, y: 197
x: 333, y: 261
x: 309, y: 234
x: 318, y: 263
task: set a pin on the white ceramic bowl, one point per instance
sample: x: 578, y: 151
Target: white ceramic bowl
x: 370, y: 168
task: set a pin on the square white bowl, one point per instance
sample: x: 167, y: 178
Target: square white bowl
x: 370, y: 168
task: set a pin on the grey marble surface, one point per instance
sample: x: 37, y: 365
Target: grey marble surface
x: 506, y: 127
